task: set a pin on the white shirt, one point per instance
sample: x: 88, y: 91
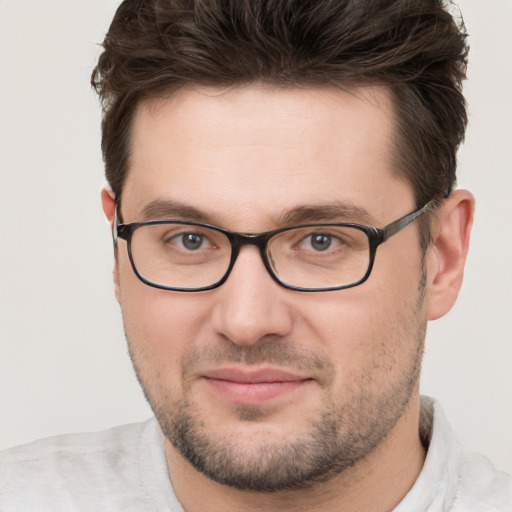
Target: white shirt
x: 123, y: 469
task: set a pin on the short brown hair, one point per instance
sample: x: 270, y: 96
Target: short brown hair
x: 413, y: 47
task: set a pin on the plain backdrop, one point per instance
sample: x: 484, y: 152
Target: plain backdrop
x: 63, y: 361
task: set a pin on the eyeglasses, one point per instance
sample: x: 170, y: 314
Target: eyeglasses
x: 193, y: 256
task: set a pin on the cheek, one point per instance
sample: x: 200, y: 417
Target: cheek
x: 160, y: 325
x: 373, y: 328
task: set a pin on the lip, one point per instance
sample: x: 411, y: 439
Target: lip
x: 253, y: 386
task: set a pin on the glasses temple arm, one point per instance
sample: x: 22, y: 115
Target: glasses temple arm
x: 398, y: 225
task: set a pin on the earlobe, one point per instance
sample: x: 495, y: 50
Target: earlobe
x: 447, y: 253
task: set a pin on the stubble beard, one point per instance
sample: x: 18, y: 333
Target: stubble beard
x: 337, y: 440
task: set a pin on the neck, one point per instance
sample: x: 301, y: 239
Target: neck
x: 375, y: 484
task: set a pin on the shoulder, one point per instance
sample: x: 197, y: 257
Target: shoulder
x: 481, y: 487
x: 110, y: 446
x: 63, y: 471
x: 461, y: 480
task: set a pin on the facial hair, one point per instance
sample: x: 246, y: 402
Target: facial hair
x: 340, y: 436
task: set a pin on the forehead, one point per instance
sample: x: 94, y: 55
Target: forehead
x: 256, y: 152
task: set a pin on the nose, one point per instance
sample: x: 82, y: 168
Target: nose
x: 251, y: 305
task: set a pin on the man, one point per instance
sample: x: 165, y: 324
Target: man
x: 281, y: 194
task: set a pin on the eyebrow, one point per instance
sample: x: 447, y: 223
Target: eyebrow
x: 167, y: 209
x: 332, y: 212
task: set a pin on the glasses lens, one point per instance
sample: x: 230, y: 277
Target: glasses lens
x: 189, y: 256
x: 180, y: 255
x: 320, y: 256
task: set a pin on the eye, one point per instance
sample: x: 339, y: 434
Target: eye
x: 189, y: 241
x: 321, y: 242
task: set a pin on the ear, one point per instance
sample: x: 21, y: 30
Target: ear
x: 108, y: 202
x: 447, y: 253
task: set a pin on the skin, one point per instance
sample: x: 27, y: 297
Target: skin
x: 243, y: 158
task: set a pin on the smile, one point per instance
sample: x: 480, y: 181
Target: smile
x: 253, y: 387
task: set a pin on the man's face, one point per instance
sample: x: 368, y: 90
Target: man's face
x: 260, y: 387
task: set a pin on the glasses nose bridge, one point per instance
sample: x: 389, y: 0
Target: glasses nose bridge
x: 259, y: 240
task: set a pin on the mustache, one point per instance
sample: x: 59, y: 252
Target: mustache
x: 268, y: 351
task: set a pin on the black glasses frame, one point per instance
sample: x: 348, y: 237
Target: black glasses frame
x: 376, y: 236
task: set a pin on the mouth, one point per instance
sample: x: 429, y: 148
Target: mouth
x: 246, y: 386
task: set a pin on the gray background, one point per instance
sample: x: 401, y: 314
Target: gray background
x: 63, y: 361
